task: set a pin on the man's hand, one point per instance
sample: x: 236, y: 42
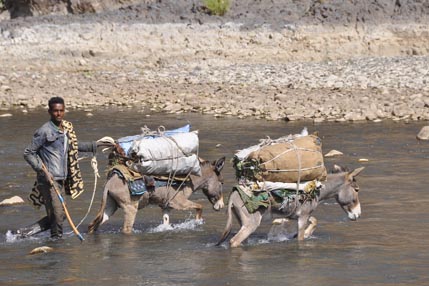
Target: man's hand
x: 47, y: 175
x: 106, y: 142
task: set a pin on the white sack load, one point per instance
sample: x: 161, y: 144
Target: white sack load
x: 167, y: 155
x: 178, y: 167
x: 304, y: 186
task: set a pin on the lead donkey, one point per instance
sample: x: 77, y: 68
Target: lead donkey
x: 340, y: 185
x: 117, y: 195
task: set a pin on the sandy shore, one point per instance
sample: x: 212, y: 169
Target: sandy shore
x: 292, y: 71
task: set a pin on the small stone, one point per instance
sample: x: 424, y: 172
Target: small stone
x: 6, y: 115
x: 424, y: 133
x: 333, y: 153
x: 6, y: 88
x: 41, y: 249
x: 15, y: 200
x: 363, y: 160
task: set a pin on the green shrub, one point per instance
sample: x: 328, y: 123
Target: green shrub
x: 216, y: 7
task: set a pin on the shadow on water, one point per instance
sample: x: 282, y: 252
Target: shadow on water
x: 385, y: 247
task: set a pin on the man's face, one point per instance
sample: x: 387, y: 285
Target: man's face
x: 57, y: 111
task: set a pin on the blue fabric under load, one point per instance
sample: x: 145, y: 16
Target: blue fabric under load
x: 138, y: 187
x: 127, y: 142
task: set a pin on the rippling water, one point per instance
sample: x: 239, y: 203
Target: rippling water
x: 387, y: 246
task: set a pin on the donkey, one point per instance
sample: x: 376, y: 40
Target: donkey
x: 117, y: 195
x: 340, y: 185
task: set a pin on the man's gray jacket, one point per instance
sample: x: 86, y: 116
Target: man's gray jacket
x: 50, y: 146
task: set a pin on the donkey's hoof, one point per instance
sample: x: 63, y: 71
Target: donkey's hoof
x: 166, y: 219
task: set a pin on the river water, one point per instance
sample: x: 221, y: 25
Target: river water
x: 388, y: 245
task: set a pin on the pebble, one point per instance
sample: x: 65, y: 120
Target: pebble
x: 333, y: 153
x: 424, y: 133
x: 41, y: 249
x: 15, y: 200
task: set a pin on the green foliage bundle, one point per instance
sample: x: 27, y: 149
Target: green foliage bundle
x: 216, y: 7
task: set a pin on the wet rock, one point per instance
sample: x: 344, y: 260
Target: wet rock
x: 41, y: 249
x: 15, y: 200
x: 333, y: 153
x: 424, y: 133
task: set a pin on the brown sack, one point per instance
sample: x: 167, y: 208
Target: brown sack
x: 280, y: 162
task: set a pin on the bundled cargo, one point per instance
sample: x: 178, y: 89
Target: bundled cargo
x: 288, y: 159
x: 167, y: 155
x: 127, y: 142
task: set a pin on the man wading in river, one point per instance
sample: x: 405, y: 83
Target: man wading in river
x: 53, y: 155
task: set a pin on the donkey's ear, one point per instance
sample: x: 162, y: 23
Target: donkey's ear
x: 356, y: 172
x: 218, y: 164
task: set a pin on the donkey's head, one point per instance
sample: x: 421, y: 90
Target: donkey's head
x: 348, y: 193
x: 212, y: 181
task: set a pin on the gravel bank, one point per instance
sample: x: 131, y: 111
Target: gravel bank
x: 305, y: 70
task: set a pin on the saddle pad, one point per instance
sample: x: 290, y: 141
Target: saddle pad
x: 138, y: 187
x: 254, y: 202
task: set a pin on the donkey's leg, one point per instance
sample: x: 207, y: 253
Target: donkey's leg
x: 130, y: 212
x: 250, y: 222
x: 104, y: 214
x: 109, y: 210
x: 311, y: 227
x: 302, y: 224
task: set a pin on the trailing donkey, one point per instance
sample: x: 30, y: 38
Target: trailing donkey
x: 340, y: 185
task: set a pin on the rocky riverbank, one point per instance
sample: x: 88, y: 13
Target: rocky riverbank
x: 313, y: 68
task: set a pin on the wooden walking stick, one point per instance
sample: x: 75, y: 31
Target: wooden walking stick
x: 51, y: 181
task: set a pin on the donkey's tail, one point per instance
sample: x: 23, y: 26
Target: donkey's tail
x: 228, y: 226
x: 93, y: 226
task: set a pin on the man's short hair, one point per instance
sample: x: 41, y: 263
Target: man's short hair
x: 55, y: 100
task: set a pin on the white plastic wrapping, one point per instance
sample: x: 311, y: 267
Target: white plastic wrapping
x: 166, y: 155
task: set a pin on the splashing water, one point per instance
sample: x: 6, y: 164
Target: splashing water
x: 16, y: 238
x: 189, y: 224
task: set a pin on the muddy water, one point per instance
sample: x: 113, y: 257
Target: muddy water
x: 387, y: 246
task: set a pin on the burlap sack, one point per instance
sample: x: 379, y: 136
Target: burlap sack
x: 300, y: 159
